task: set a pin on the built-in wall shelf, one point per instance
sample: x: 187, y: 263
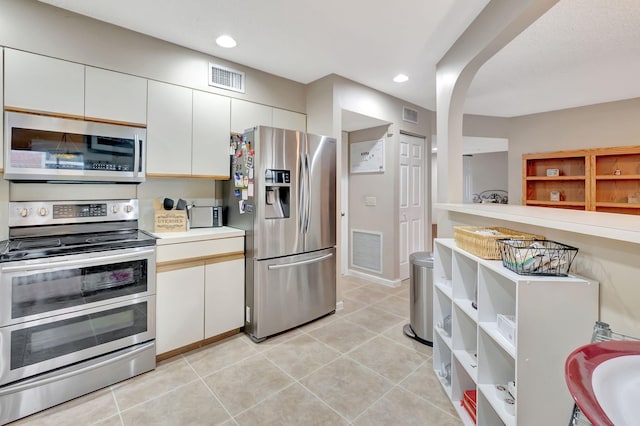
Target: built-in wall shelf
x: 597, y: 179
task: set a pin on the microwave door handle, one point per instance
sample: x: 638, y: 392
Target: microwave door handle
x: 137, y: 148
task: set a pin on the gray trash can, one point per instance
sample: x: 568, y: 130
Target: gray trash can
x: 420, y: 325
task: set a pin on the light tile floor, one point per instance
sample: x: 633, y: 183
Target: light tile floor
x: 355, y: 367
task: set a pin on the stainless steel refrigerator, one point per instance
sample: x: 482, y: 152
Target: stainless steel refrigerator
x: 282, y: 192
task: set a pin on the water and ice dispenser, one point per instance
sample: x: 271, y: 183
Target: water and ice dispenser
x: 277, y: 193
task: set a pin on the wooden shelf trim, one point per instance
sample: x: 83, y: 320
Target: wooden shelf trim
x: 617, y: 177
x: 556, y: 178
x: 555, y: 203
x: 618, y: 205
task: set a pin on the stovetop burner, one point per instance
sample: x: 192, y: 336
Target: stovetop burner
x: 36, y: 243
x: 45, y: 229
x: 36, y: 247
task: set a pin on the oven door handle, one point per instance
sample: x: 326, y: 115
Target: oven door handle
x: 84, y: 262
x: 57, y: 377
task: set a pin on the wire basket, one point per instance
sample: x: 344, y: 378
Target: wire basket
x: 536, y: 257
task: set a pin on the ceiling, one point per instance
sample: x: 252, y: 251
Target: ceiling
x: 581, y: 52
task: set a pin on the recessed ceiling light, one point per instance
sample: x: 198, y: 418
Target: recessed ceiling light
x: 226, y: 41
x: 400, y: 78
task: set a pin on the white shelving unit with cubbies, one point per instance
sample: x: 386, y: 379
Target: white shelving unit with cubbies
x: 553, y: 316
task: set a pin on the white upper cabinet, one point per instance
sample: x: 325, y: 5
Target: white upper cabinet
x: 1, y: 103
x: 115, y: 96
x: 169, y: 130
x: 289, y: 120
x: 210, y: 146
x: 245, y: 115
x: 40, y: 83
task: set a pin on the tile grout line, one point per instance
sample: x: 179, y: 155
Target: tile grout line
x: 115, y: 400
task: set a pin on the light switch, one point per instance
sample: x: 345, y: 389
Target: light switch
x: 370, y: 201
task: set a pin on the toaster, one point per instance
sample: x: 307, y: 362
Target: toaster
x: 206, y: 216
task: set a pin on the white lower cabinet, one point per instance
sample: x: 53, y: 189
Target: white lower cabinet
x: 553, y: 316
x: 200, y: 292
x: 179, y: 308
x: 223, y: 297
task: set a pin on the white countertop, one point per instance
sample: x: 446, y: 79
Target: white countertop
x: 197, y: 234
x: 620, y: 227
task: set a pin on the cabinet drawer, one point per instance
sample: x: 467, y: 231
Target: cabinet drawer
x: 199, y: 249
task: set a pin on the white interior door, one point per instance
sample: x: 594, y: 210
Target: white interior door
x: 412, y: 199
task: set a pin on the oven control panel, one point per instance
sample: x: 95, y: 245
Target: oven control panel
x: 33, y: 213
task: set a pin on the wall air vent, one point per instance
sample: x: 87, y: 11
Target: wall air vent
x: 366, y: 250
x: 226, y: 78
x: 410, y: 115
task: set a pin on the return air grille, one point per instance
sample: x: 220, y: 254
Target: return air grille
x: 366, y: 250
x: 226, y: 78
x: 410, y: 115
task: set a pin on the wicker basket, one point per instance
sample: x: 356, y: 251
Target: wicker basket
x: 484, y: 244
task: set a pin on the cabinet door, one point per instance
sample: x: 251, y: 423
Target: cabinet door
x: 40, y: 83
x: 211, y: 128
x: 115, y: 96
x: 169, y: 130
x: 245, y: 115
x: 289, y: 120
x: 179, y: 308
x: 1, y: 103
x: 224, y: 297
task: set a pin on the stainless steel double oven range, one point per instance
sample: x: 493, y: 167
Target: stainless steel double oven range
x: 77, y: 302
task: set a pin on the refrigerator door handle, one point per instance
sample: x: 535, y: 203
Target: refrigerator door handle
x: 303, y: 196
x: 302, y: 262
x: 307, y: 182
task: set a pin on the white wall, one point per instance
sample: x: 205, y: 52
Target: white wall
x: 602, y: 125
x: 327, y: 98
x: 488, y: 171
x: 379, y: 185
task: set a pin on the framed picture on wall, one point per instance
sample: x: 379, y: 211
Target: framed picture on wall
x: 367, y: 156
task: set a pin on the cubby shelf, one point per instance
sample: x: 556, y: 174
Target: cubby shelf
x: 550, y: 323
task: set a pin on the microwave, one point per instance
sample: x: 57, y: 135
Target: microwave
x: 49, y: 149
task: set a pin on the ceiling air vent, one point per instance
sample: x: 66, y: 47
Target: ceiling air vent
x: 226, y: 78
x: 410, y: 115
